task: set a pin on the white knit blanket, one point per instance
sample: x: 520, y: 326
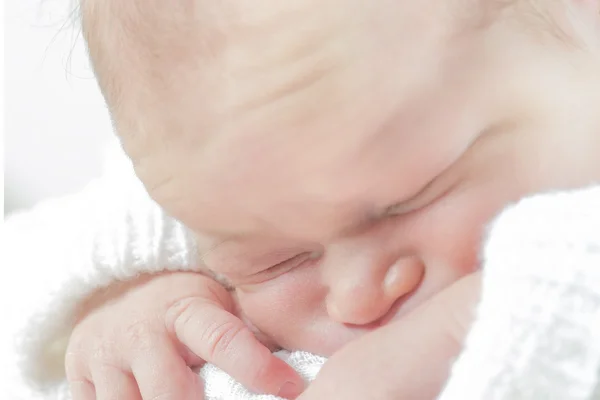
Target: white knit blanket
x: 218, y: 385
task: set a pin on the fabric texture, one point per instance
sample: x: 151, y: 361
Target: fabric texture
x: 537, y: 330
x: 535, y: 335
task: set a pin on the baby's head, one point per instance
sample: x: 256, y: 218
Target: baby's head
x: 341, y: 158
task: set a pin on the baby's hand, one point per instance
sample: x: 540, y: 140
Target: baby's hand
x: 138, y: 340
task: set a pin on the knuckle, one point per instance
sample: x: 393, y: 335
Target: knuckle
x: 180, y: 313
x: 139, y: 335
x: 219, y: 338
x: 82, y: 352
x: 199, y: 320
x: 103, y: 351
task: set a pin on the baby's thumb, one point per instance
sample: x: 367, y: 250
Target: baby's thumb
x: 222, y: 339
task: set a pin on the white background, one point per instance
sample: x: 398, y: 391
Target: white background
x: 55, y: 128
x: 56, y: 125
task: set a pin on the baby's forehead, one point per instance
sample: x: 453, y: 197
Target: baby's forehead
x: 188, y: 68
x: 177, y: 75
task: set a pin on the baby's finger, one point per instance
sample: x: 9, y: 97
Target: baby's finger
x: 82, y: 390
x: 162, y: 373
x: 222, y: 339
x: 113, y: 383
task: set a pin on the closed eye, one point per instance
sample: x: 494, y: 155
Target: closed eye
x: 288, y: 265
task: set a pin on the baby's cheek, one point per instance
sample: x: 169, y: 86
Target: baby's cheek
x: 284, y: 308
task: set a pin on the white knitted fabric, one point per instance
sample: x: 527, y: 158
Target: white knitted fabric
x: 537, y: 333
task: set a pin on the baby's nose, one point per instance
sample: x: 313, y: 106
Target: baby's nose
x: 364, y: 298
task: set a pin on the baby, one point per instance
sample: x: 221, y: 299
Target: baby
x: 337, y: 161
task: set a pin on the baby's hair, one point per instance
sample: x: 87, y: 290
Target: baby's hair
x: 64, y: 23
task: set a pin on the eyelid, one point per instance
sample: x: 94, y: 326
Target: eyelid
x: 305, y: 256
x: 291, y: 263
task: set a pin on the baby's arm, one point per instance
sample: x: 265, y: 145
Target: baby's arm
x: 66, y: 249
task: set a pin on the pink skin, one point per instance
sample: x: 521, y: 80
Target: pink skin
x: 319, y: 305
x: 388, y: 162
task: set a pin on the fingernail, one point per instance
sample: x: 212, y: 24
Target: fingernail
x: 289, y: 390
